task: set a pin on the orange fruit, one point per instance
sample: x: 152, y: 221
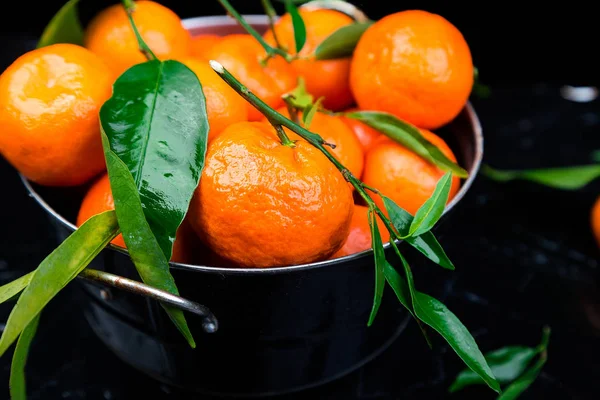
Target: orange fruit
x: 49, y: 103
x: 596, y: 220
x: 201, y: 44
x: 415, y: 65
x: 363, y: 132
x: 223, y: 105
x: 261, y: 204
x: 99, y: 199
x: 333, y: 130
x: 241, y: 55
x: 359, y: 238
x: 328, y: 78
x: 402, y: 175
x: 111, y: 36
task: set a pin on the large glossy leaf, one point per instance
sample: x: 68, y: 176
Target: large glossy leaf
x: 430, y: 212
x: 58, y: 269
x: 298, y: 24
x: 567, y: 178
x: 425, y: 243
x: 64, y: 27
x: 13, y: 288
x: 380, y: 262
x: 143, y: 247
x: 342, y: 42
x: 435, y: 314
x: 408, y: 136
x: 17, y: 368
x: 156, y: 124
x: 507, y: 364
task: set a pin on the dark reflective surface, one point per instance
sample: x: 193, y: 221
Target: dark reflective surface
x: 525, y: 257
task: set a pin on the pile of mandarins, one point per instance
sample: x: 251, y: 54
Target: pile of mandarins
x: 259, y: 203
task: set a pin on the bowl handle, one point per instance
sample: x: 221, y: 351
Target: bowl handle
x: 209, y: 323
x: 338, y: 5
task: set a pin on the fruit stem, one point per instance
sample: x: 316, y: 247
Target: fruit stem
x: 272, y: 14
x: 271, y: 51
x: 129, y: 6
x: 278, y: 120
x: 283, y: 137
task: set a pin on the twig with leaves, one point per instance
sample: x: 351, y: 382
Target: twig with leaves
x: 401, y: 226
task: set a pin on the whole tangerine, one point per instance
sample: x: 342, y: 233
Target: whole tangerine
x: 415, y: 65
x: 49, y: 103
x: 99, y: 199
x: 111, y: 36
x: 223, y: 105
x: 241, y: 54
x: 327, y: 78
x: 258, y: 201
x: 402, y: 175
x: 359, y: 238
x: 333, y: 130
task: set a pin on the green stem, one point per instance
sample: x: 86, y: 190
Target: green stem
x: 283, y: 137
x: 271, y: 14
x: 271, y: 51
x: 129, y: 6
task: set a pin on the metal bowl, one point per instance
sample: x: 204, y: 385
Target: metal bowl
x: 280, y: 329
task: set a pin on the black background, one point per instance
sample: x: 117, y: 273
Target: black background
x: 511, y: 41
x: 525, y: 254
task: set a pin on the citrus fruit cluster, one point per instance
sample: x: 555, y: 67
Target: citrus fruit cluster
x: 260, y: 203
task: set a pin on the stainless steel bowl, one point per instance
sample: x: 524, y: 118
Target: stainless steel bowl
x: 280, y: 329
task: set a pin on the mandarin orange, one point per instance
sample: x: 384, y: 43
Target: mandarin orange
x: 359, y: 238
x: 241, y: 55
x: 333, y: 130
x: 402, y: 175
x: 327, y: 78
x: 111, y: 36
x: 223, y: 105
x: 363, y: 132
x: 49, y: 103
x: 258, y: 201
x: 201, y: 44
x: 415, y: 65
x: 99, y: 199
x: 595, y: 220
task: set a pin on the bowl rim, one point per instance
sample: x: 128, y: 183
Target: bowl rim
x: 220, y: 20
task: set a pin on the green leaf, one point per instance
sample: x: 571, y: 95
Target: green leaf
x: 567, y: 178
x: 341, y: 43
x: 64, y: 27
x: 430, y: 212
x: 13, y: 288
x: 479, y: 89
x: 515, y: 389
x: 310, y: 111
x: 299, y: 97
x: 507, y: 364
x: 380, y: 262
x: 143, y: 247
x: 409, y: 137
x: 156, y: 123
x: 298, y: 24
x: 596, y: 156
x: 425, y: 243
x: 435, y: 314
x: 17, y: 368
x: 58, y: 269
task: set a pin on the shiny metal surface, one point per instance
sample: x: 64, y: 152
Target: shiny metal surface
x: 210, y: 323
